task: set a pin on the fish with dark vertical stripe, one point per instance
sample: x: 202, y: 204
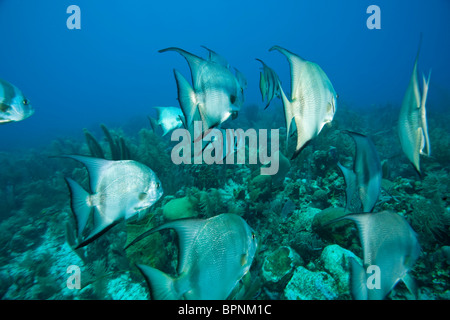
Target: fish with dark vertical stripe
x: 313, y: 100
x: 14, y: 106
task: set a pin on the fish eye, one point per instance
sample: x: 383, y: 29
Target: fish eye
x: 158, y: 185
x: 142, y: 196
x: 25, y: 102
x: 232, y: 99
x: 337, y: 96
x: 253, y: 236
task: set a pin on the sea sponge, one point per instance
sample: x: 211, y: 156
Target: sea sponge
x: 180, y: 208
x: 309, y: 285
x: 278, y: 267
x: 260, y: 188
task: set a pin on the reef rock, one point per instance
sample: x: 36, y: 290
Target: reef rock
x: 303, y: 220
x: 309, y: 285
x: 260, y: 188
x: 278, y: 267
x: 335, y: 260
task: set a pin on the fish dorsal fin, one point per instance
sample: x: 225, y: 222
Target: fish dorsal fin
x: 194, y: 62
x: 187, y: 230
x: 159, y: 110
x: 217, y: 58
x: 296, y: 63
x: 94, y: 166
x: 414, y: 76
x: 240, y: 78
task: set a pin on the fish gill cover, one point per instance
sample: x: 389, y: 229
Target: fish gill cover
x: 167, y: 146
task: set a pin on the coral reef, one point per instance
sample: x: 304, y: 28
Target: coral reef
x: 301, y: 255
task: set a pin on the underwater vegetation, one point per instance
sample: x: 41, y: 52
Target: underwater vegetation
x: 137, y: 226
x: 298, y: 257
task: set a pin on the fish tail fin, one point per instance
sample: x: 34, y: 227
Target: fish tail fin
x: 186, y: 98
x: 79, y: 203
x: 358, y: 281
x: 426, y: 83
x: 419, y: 46
x: 160, y: 284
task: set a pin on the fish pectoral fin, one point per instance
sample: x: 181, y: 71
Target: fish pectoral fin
x: 160, y: 284
x: 411, y: 285
x: 207, y: 124
x: 186, y: 97
x: 244, y: 259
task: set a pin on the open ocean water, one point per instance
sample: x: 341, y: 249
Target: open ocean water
x: 376, y: 152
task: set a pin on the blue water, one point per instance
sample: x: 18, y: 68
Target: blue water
x: 110, y: 70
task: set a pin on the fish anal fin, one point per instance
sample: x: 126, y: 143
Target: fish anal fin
x: 410, y: 284
x: 419, y: 145
x: 423, y: 115
x: 288, y: 114
x: 358, y: 280
x: 160, y: 284
x: 101, y: 226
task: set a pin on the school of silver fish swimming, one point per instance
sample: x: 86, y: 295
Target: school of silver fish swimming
x: 215, y: 253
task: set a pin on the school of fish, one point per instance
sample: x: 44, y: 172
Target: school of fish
x: 214, y: 254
